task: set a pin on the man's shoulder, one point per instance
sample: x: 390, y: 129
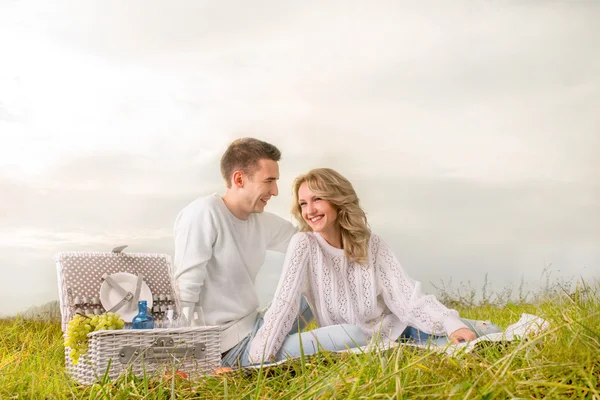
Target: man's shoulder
x: 274, y: 221
x: 208, y: 202
x: 268, y: 217
x: 200, y: 207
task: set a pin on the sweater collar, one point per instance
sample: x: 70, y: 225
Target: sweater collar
x: 326, y: 246
x: 228, y: 212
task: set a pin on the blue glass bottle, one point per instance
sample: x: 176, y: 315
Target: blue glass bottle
x: 143, y: 320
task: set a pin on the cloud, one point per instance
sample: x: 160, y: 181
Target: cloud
x: 468, y: 91
x: 469, y: 129
x: 438, y: 229
x: 88, y: 206
x: 6, y: 115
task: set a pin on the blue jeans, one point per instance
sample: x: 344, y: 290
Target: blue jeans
x: 342, y: 337
x: 480, y: 328
x: 335, y: 338
x: 237, y: 356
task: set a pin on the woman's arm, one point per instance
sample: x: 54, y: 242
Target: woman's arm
x: 404, y: 298
x: 283, y: 312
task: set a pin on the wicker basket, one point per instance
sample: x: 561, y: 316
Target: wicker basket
x: 193, y: 350
x: 149, y: 352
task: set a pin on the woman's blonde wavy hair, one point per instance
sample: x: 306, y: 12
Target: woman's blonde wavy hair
x: 332, y: 186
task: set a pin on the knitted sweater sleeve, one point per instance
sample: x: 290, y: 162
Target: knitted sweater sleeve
x: 283, y: 311
x: 403, y: 296
x: 195, y: 234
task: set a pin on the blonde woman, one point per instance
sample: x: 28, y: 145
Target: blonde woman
x: 352, y: 280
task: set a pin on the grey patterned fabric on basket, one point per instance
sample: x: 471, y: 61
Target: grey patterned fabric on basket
x: 80, y: 275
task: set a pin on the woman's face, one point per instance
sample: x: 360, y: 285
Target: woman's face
x: 319, y: 214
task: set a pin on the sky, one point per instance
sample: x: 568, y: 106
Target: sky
x: 469, y: 129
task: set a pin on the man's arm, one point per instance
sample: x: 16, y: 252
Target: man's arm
x: 279, y: 232
x: 195, y: 234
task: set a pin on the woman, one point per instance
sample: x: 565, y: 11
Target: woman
x: 352, y: 280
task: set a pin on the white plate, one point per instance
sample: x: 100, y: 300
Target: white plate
x: 109, y: 296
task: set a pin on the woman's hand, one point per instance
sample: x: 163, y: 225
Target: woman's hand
x: 462, y: 335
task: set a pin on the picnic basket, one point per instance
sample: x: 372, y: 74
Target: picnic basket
x: 192, y: 350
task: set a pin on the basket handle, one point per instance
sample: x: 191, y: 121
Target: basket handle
x: 163, y: 348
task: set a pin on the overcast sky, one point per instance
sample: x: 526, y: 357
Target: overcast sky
x: 470, y: 128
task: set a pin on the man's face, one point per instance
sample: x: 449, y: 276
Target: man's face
x: 259, y: 187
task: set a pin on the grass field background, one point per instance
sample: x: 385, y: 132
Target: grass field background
x: 563, y: 362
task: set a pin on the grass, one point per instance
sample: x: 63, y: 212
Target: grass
x: 563, y: 362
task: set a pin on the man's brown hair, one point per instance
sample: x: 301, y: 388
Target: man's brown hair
x: 244, y: 155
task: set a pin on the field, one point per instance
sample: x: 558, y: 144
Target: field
x: 563, y: 362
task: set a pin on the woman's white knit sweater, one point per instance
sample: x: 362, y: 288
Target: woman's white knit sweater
x: 379, y: 297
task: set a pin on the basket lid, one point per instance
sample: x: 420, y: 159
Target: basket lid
x: 80, y: 275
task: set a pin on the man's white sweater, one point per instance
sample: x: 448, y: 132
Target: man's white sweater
x: 217, y: 258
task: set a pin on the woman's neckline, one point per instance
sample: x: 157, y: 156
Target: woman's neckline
x: 334, y: 250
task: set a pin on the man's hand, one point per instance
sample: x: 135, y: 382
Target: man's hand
x: 462, y: 335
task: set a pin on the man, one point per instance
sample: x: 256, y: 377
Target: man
x: 221, y: 242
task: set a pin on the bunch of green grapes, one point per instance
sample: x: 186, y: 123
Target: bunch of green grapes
x: 81, y: 325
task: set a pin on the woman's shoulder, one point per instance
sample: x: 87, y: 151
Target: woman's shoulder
x: 375, y: 238
x: 376, y: 242
x: 301, y: 243
x: 303, y: 238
